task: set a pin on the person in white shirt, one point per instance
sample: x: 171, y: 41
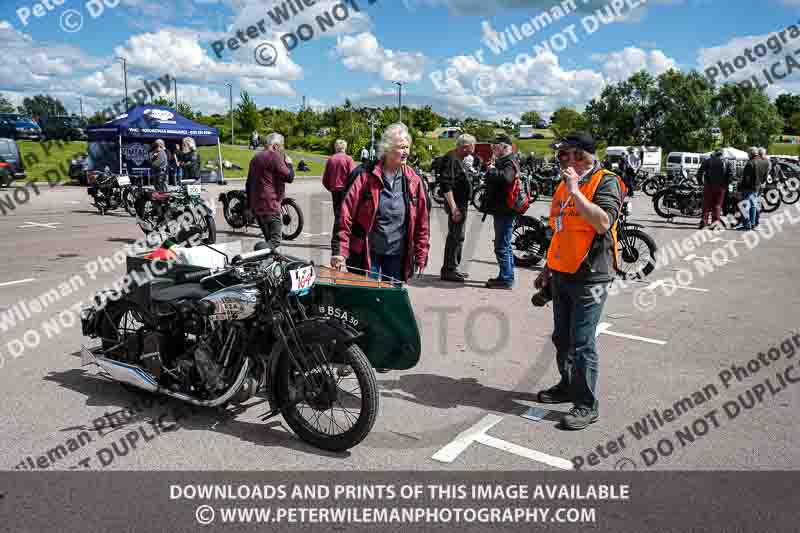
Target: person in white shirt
x: 364, y: 155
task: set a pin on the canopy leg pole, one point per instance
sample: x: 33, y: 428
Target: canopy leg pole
x: 120, y: 155
x: 221, y: 170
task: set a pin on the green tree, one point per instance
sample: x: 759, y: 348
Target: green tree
x: 42, y: 105
x: 682, y: 112
x: 247, y: 114
x: 426, y: 120
x: 565, y: 120
x: 794, y: 121
x: 531, y: 117
x: 625, y: 113
x: 788, y: 105
x: 753, y: 119
x: 162, y: 101
x: 186, y: 110
x: 5, y: 105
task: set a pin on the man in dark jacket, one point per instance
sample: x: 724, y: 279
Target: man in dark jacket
x: 499, y: 178
x: 749, y: 187
x: 457, y: 190
x: 159, y: 165
x: 714, y: 175
x: 270, y: 171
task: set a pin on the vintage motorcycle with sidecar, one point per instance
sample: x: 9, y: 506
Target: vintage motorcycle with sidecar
x: 306, y: 337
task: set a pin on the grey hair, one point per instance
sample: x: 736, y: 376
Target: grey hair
x: 465, y: 139
x: 274, y: 138
x: 762, y: 152
x: 189, y: 145
x: 389, y: 138
x: 340, y: 145
x: 753, y: 150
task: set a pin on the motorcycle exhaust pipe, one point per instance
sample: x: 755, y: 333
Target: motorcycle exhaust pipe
x: 138, y: 377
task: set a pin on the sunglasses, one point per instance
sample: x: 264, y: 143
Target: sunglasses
x: 564, y: 154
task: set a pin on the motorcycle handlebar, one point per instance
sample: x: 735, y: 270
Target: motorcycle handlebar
x: 189, y: 277
x: 266, y: 252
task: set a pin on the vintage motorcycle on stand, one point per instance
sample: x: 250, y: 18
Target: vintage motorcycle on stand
x: 682, y: 199
x: 216, y: 338
x: 111, y: 192
x: 238, y: 215
x: 157, y: 211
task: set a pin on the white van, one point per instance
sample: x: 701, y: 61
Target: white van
x: 650, y: 155
x: 689, y: 161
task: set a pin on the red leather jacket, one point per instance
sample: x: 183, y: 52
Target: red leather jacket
x: 360, y: 208
x: 266, y: 182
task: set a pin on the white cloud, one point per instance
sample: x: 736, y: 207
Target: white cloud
x: 619, y: 66
x: 775, y: 51
x: 362, y: 52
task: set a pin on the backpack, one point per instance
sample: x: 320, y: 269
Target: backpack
x: 517, y: 198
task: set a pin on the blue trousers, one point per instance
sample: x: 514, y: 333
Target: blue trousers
x: 503, y: 230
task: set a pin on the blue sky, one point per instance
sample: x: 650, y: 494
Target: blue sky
x: 364, y: 54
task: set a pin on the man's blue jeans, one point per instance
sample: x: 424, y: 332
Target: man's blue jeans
x: 388, y: 265
x: 752, y: 215
x: 576, y: 313
x: 503, y: 229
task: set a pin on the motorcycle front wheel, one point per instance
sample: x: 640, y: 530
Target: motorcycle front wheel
x: 477, y: 197
x: 790, y: 192
x: 211, y: 227
x: 129, y: 201
x: 234, y: 210
x: 660, y: 205
x: 325, y: 391
x: 637, y: 255
x: 527, y: 243
x: 292, y: 218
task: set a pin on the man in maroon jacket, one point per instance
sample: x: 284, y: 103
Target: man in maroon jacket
x: 270, y: 171
x: 337, y: 170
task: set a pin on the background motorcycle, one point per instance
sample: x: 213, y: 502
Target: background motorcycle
x: 214, y: 339
x: 238, y: 215
x: 111, y: 192
x: 156, y: 210
x: 531, y: 239
x: 683, y: 199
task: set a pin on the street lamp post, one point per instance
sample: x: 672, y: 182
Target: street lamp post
x: 230, y: 89
x: 125, y: 78
x: 175, y: 80
x: 400, y: 98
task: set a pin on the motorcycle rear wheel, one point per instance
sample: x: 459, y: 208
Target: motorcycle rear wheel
x: 771, y: 202
x: 527, y: 244
x: 234, y: 210
x: 290, y: 215
x: 790, y: 192
x: 477, y: 197
x: 659, y: 207
x: 289, y: 385
x: 650, y: 187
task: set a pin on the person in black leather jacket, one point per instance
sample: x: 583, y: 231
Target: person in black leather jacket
x: 499, y: 178
x: 190, y: 160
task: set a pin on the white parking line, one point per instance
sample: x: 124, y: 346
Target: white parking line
x: 7, y: 283
x: 602, y: 327
x: 477, y: 433
x: 673, y: 285
x: 49, y: 225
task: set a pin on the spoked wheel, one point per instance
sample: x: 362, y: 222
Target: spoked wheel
x: 637, y: 255
x: 120, y: 325
x: 436, y: 194
x: 770, y: 200
x: 101, y: 203
x: 331, y: 406
x: 790, y: 192
x: 234, y: 210
x: 533, y: 192
x: 527, y: 244
x: 129, y: 201
x: 662, y: 203
x: 650, y: 187
x: 477, y: 197
x: 292, y: 218
x: 146, y: 214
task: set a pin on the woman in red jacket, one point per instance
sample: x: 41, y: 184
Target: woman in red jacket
x: 383, y: 223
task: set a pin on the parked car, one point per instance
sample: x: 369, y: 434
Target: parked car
x: 78, y: 169
x: 14, y: 126
x: 64, y: 128
x: 677, y: 161
x: 10, y: 154
x: 537, y: 136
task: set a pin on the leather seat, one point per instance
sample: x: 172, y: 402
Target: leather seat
x: 185, y: 291
x: 160, y: 196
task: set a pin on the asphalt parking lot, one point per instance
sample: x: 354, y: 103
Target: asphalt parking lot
x: 468, y: 404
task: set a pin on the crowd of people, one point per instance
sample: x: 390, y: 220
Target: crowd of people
x: 170, y: 167
x: 382, y: 228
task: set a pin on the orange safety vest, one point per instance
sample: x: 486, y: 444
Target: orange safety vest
x: 570, y: 246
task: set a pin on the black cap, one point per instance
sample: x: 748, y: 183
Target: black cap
x: 504, y: 139
x: 578, y: 139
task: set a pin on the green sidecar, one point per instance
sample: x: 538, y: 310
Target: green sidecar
x: 378, y: 309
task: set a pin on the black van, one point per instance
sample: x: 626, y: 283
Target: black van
x: 9, y: 153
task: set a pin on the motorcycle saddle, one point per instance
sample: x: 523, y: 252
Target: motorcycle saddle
x: 160, y: 196
x: 171, y: 293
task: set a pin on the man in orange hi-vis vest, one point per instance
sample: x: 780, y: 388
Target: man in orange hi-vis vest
x: 581, y: 259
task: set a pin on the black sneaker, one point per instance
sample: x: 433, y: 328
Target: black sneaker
x: 497, y: 284
x: 452, y: 275
x: 579, y: 418
x: 555, y: 394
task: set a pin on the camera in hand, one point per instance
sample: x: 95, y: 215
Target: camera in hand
x: 541, y: 298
